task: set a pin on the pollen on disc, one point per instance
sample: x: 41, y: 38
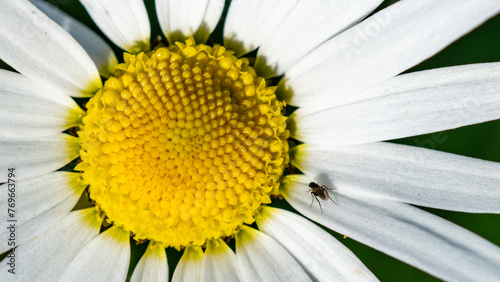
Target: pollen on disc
x: 183, y: 144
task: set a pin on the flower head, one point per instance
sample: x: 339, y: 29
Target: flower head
x: 184, y: 142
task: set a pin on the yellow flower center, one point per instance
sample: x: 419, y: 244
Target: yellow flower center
x: 183, y: 144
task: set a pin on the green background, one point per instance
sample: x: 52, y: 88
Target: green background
x: 479, y: 141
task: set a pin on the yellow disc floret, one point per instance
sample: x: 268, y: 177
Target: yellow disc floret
x: 183, y: 144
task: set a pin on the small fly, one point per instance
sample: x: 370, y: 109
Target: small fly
x: 321, y: 192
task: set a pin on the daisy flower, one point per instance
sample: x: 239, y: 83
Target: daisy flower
x: 184, y: 144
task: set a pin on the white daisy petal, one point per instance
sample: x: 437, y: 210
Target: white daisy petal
x: 36, y: 156
x: 46, y: 256
x: 298, y: 34
x: 125, y: 22
x: 105, y: 258
x: 408, y: 174
x: 322, y: 256
x: 260, y: 258
x: 409, y: 234
x: 386, y: 44
x: 100, y: 52
x: 219, y: 263
x: 180, y: 19
x: 249, y: 23
x: 37, y: 47
x: 27, y: 110
x: 40, y: 202
x: 210, y: 19
x: 189, y: 266
x: 153, y: 265
x: 408, y: 105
